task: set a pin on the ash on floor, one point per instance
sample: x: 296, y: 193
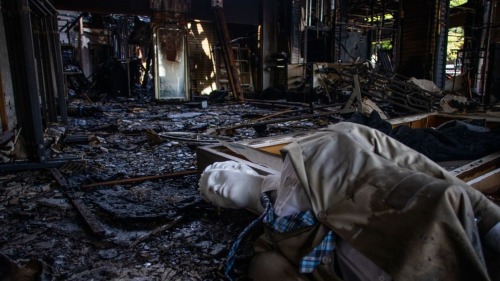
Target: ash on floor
x: 157, y: 229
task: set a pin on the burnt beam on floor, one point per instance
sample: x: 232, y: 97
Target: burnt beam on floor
x: 90, y: 219
x: 140, y: 179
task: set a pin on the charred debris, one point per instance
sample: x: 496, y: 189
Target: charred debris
x: 98, y: 150
x: 126, y: 206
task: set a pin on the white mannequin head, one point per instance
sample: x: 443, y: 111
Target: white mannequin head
x: 230, y: 185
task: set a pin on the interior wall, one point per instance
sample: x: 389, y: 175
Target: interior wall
x: 6, y: 81
x: 424, y: 40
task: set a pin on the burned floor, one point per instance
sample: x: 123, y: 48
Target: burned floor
x: 130, y: 208
x: 108, y: 111
x: 124, y: 203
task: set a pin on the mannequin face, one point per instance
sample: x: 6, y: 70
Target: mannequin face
x: 230, y: 188
x: 231, y: 165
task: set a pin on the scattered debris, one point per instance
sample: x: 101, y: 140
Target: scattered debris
x: 453, y: 103
x: 9, y: 270
x: 7, y: 146
x: 129, y: 209
x: 424, y: 84
x: 153, y: 138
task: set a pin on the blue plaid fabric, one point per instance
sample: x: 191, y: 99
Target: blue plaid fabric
x: 288, y: 223
x: 283, y: 225
x: 297, y: 221
x: 313, y: 259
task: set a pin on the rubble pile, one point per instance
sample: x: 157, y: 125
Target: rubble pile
x: 126, y: 206
x: 130, y: 208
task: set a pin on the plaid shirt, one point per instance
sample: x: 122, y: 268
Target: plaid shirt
x: 297, y: 221
x: 282, y: 225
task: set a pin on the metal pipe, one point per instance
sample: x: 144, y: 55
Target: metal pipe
x: 139, y: 179
x: 309, y: 9
x: 310, y: 12
x: 485, y: 41
x: 307, y: 12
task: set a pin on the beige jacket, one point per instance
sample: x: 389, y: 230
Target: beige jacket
x: 398, y: 208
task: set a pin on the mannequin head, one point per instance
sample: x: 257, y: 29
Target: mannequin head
x: 230, y: 185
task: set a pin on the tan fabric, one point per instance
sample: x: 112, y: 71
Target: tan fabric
x: 352, y: 265
x: 271, y: 266
x: 397, y: 207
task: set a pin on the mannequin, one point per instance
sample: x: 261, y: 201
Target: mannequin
x: 400, y: 214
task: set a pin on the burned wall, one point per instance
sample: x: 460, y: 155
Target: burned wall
x: 415, y: 49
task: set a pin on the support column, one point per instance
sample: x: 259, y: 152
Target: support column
x: 441, y: 40
x: 227, y: 50
x: 268, y: 41
x: 33, y: 100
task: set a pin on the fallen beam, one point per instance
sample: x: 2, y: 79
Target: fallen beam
x: 90, y: 220
x: 95, y: 225
x: 139, y: 179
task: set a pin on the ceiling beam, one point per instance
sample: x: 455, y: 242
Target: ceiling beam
x: 129, y: 7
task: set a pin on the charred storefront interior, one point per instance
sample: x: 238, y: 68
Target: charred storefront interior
x: 121, y: 119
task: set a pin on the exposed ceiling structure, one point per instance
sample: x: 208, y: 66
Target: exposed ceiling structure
x: 111, y: 111
x: 130, y: 7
